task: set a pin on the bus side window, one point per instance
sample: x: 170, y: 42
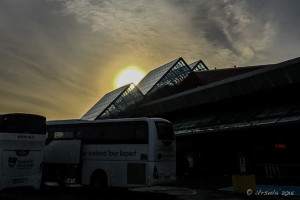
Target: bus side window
x: 91, y: 132
x: 164, y: 131
x: 141, y: 132
x: 121, y: 132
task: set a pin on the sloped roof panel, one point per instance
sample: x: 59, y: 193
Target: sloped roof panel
x: 193, y: 64
x: 198, y: 66
x: 103, y: 103
x: 154, y: 76
x: 122, y: 105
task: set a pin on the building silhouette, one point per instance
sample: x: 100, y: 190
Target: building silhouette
x: 222, y: 115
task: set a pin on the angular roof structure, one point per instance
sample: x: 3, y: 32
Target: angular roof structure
x: 103, y: 103
x: 119, y: 103
x: 263, y: 78
x: 198, y: 66
x: 158, y: 77
x: 113, y: 102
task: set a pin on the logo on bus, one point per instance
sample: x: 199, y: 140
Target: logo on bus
x: 12, y: 161
x: 20, y: 164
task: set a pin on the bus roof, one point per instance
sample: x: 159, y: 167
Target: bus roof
x: 80, y: 121
x: 22, y: 116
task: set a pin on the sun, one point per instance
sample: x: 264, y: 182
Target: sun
x: 129, y: 76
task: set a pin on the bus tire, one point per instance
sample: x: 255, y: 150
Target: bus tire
x: 99, y: 180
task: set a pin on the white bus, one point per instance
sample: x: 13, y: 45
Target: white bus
x: 22, y: 140
x: 133, y: 152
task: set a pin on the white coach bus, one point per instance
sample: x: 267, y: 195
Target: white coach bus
x: 133, y: 152
x: 22, y: 140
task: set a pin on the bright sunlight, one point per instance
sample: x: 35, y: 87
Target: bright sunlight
x: 129, y: 76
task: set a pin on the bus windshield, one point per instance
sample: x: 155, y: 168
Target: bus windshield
x: 164, y: 131
x: 22, y: 123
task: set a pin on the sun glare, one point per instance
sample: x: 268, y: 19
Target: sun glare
x: 129, y: 76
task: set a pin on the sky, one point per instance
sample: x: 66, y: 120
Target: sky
x: 59, y: 57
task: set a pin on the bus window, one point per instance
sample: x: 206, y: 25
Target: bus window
x: 141, y: 132
x: 90, y: 132
x: 164, y: 131
x: 121, y: 132
x: 128, y: 132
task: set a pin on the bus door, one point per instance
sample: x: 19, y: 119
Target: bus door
x: 62, y: 156
x: 63, y: 151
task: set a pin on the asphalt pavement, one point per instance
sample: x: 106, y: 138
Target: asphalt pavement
x: 187, y: 188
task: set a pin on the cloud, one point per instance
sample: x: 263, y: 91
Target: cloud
x: 156, y: 30
x: 235, y: 31
x: 217, y: 31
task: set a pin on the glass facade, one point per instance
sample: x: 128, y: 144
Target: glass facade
x: 176, y: 74
x: 123, y: 104
x: 113, y: 103
x: 198, y: 66
x: 103, y: 103
x: 158, y: 83
x: 149, y: 81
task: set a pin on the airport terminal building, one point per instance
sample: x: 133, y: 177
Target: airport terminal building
x: 221, y: 115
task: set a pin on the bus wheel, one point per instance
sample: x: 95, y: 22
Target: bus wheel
x: 99, y: 180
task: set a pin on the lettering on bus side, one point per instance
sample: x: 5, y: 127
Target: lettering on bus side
x: 127, y: 153
x: 95, y: 153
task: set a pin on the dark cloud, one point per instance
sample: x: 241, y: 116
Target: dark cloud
x: 249, y: 31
